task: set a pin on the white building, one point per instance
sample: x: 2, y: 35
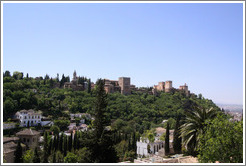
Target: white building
x: 30, y: 116
x: 8, y: 125
x: 154, y: 147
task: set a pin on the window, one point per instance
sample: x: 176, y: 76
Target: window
x: 33, y: 140
x: 33, y: 117
x: 27, y: 140
x: 25, y: 117
x: 29, y: 117
x: 24, y: 139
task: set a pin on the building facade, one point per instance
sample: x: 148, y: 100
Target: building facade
x: 29, y: 137
x: 28, y: 116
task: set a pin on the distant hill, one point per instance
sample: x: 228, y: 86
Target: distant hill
x: 231, y: 107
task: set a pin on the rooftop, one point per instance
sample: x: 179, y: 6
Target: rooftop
x: 28, y: 132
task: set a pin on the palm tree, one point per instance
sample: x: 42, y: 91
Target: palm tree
x: 193, y: 127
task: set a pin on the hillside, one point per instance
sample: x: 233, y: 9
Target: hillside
x: 141, y: 108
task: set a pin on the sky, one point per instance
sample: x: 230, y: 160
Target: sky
x: 197, y: 44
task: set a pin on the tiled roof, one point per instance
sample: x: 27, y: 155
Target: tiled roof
x: 8, y: 139
x: 28, y: 132
x: 9, y: 147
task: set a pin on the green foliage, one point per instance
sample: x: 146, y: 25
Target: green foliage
x: 18, y: 153
x: 121, y: 148
x: 71, y: 158
x: 62, y: 124
x: 177, y: 140
x: 55, y: 129
x: 28, y: 156
x: 222, y: 141
x: 171, y: 122
x: 36, y: 158
x: 193, y: 128
x: 84, y: 155
x: 163, y: 136
x: 167, y: 149
x: 46, y: 146
x: 102, y: 141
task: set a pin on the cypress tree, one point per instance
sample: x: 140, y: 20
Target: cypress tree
x: 57, y: 77
x: 18, y: 153
x: 89, y: 86
x: 54, y: 158
x: 50, y: 147
x: 167, y: 149
x: 134, y: 147
x: 55, y: 143
x: 70, y: 142
x: 102, y: 138
x: 36, y: 158
x: 61, y: 142
x: 75, y: 141
x: 177, y: 139
x: 45, y: 151
x: 65, y: 146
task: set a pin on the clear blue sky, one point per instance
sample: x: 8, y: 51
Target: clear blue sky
x: 197, y: 44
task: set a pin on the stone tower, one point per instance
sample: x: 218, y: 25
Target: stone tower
x: 168, y: 86
x: 184, y: 88
x: 161, y: 86
x: 124, y: 83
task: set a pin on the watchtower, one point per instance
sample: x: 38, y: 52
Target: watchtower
x: 124, y: 83
x: 168, y: 86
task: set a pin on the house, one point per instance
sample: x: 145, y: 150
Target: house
x: 29, y: 137
x: 7, y: 125
x: 145, y: 148
x: 9, y: 148
x: 28, y: 116
x: 83, y: 127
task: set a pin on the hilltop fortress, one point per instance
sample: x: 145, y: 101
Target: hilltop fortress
x: 167, y: 87
x: 123, y: 85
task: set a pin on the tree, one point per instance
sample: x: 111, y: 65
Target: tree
x: 28, y: 156
x: 177, y: 140
x: 70, y: 142
x: 62, y: 124
x: 71, y: 158
x: 103, y: 150
x: 89, y: 86
x: 222, y: 141
x: 36, y: 158
x: 7, y: 74
x: 167, y: 149
x: 57, y: 77
x: 18, y: 153
x: 65, y: 145
x: 84, y: 155
x: 193, y: 127
x: 55, y: 129
x: 46, y: 146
